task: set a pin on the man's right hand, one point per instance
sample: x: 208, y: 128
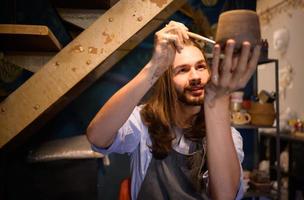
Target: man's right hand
x: 166, y: 42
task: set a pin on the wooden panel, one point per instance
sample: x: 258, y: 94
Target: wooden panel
x: 72, y: 64
x: 14, y: 37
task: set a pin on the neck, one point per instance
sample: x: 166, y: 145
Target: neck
x: 185, y: 114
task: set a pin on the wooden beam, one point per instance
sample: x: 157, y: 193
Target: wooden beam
x: 54, y: 85
x: 14, y: 37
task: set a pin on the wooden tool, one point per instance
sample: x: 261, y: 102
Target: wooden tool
x: 199, y: 37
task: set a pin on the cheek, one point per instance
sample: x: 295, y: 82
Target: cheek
x: 205, y: 76
x: 179, y: 83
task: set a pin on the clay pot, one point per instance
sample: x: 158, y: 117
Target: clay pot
x: 262, y: 114
x: 240, y: 25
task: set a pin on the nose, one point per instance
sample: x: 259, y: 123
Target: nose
x: 194, y: 78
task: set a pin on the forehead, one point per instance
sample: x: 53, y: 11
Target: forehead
x: 189, y: 55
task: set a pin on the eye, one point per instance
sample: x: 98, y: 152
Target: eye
x: 201, y: 67
x: 182, y: 70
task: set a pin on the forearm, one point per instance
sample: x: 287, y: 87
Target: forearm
x: 104, y: 126
x: 223, y: 164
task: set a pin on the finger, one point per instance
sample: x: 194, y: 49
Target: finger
x: 178, y: 24
x: 225, y: 71
x: 173, y: 38
x: 178, y: 31
x: 235, y: 61
x: 227, y: 63
x: 215, y: 64
x: 174, y: 30
x: 243, y: 62
x: 234, y: 81
x: 180, y: 35
x: 170, y: 29
x: 251, y: 66
x: 185, y: 35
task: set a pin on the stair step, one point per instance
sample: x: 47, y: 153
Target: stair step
x: 17, y: 37
x: 76, y: 147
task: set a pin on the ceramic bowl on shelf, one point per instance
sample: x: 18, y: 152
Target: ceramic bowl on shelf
x: 262, y: 113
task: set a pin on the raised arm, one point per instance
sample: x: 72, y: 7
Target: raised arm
x: 228, y: 75
x: 104, y: 126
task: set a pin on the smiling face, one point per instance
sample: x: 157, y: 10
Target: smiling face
x: 190, y: 74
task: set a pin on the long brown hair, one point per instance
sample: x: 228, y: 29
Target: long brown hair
x: 159, y: 116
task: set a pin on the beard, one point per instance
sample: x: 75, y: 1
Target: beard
x: 188, y: 99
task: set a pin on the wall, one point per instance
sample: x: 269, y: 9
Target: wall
x: 291, y: 18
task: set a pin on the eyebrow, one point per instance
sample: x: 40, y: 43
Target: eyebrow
x: 198, y: 62
x: 202, y: 62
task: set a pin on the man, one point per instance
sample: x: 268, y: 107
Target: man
x: 184, y: 127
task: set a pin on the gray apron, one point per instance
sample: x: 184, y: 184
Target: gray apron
x: 174, y: 178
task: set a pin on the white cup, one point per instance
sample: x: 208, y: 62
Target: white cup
x: 237, y: 96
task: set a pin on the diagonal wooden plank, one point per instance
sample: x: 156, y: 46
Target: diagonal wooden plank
x: 53, y: 84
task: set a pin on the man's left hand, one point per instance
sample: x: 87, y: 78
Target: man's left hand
x: 233, y: 72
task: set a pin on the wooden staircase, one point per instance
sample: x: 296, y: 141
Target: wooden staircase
x: 78, y: 65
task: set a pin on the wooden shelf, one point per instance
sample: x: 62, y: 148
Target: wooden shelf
x: 252, y: 193
x: 261, y: 62
x: 16, y: 37
x: 284, y: 136
x: 249, y: 126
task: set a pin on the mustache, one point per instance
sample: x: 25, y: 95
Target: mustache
x: 194, y: 87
